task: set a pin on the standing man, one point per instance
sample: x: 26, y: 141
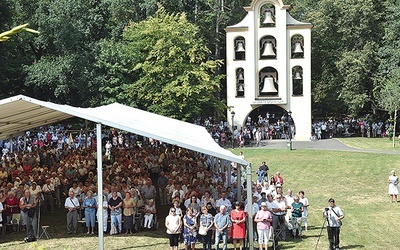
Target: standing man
x: 222, y: 222
x: 334, y: 216
x: 223, y: 201
x: 72, y: 204
x: 279, y: 209
x: 48, y: 191
x: 162, y: 188
x: 149, y: 191
x: 266, y: 169
x: 57, y: 185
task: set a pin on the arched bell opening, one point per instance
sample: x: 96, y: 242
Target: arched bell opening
x: 297, y: 46
x: 267, y: 15
x: 268, y: 82
x: 297, y: 81
x: 240, y: 82
x: 240, y: 48
x: 267, y: 47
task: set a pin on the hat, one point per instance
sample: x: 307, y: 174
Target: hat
x: 331, y: 200
x: 34, y: 183
x: 263, y: 204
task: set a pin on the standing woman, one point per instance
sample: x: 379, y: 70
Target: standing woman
x: 189, y: 230
x: 115, y: 204
x: 205, y: 231
x: 263, y: 219
x: 297, y: 210
x: 393, y: 186
x: 129, y: 204
x: 194, y: 205
x: 12, y: 206
x: 89, y: 204
x: 28, y: 204
x: 306, y: 203
x: 173, y: 223
x: 238, y: 218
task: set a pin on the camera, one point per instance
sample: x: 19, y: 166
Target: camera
x: 327, y: 209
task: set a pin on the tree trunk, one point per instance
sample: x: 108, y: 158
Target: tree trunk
x: 394, y: 126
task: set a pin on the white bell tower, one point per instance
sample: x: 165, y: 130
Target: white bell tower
x: 269, y: 63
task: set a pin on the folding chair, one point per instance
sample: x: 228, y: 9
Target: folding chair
x: 15, y: 221
x: 274, y: 235
x: 44, y: 232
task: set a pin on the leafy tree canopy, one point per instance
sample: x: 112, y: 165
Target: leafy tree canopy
x: 174, y: 75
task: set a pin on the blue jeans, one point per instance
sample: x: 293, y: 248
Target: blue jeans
x: 218, y: 236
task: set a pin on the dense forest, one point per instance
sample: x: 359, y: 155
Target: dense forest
x: 168, y: 56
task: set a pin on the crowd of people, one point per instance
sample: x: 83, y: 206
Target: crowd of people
x: 139, y: 176
x: 273, y: 126
x: 330, y: 128
x: 209, y: 218
x: 269, y: 127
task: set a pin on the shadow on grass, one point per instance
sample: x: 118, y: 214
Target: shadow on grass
x: 144, y: 246
x: 352, y: 246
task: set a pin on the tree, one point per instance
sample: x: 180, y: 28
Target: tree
x: 175, y: 77
x: 64, y: 67
x: 389, y: 97
x: 345, y: 39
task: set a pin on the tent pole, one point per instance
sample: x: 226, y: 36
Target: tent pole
x: 249, y: 186
x: 229, y: 174
x: 100, y: 186
x: 239, y: 182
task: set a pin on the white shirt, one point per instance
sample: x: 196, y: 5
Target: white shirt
x: 71, y: 203
x: 77, y: 190
x: 36, y: 191
x: 272, y: 205
x: 48, y: 188
x: 55, y: 181
x: 289, y: 200
x: 332, y: 214
x: 305, y: 207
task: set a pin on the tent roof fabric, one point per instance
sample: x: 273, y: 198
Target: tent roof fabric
x: 21, y: 113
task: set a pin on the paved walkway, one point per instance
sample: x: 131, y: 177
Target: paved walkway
x: 328, y: 144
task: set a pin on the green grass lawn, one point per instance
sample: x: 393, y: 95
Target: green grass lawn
x: 372, y: 143
x: 356, y: 180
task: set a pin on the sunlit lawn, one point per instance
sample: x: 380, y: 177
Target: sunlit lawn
x: 356, y: 180
x: 372, y: 143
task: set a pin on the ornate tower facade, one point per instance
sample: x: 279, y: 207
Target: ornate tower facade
x: 269, y: 66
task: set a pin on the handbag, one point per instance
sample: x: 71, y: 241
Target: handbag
x: 202, y: 230
x: 31, y: 212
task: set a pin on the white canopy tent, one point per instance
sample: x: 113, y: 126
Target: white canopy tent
x: 21, y: 113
